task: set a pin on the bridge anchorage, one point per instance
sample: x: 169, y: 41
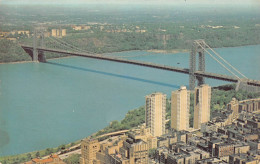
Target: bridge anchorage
x: 196, y: 74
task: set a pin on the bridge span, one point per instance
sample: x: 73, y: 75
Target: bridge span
x: 199, y: 74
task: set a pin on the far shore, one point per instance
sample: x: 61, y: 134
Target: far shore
x: 163, y: 52
x: 17, y: 62
x: 173, y: 51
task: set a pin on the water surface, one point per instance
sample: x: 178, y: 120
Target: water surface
x: 48, y: 104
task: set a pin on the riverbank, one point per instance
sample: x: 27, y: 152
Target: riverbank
x: 19, y: 62
x: 159, y: 51
x: 41, y: 153
x: 174, y: 51
x: 136, y: 117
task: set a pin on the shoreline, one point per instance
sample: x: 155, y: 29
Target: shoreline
x: 19, y: 62
x: 173, y: 51
x: 166, y: 52
x: 77, y: 142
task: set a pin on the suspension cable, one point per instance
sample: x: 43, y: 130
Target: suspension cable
x: 72, y: 46
x: 225, y: 61
x: 63, y: 44
x: 217, y: 60
x: 51, y: 38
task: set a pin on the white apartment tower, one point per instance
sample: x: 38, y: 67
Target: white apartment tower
x: 155, y: 110
x: 202, y: 98
x: 180, y: 108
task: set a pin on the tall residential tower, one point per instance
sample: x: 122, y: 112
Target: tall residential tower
x: 180, y: 107
x: 202, y: 97
x: 155, y: 110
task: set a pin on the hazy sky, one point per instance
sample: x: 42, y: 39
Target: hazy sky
x: 235, y: 2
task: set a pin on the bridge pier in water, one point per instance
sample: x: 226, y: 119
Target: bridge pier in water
x: 196, y: 48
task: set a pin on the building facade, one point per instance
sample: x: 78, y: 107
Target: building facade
x: 58, y: 32
x: 52, y: 159
x: 251, y: 105
x: 89, y: 148
x: 233, y: 106
x: 180, y: 107
x: 155, y: 110
x: 136, y: 151
x: 202, y: 98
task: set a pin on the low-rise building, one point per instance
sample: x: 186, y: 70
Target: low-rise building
x: 212, y: 160
x: 81, y: 27
x: 243, y: 159
x: 254, y: 122
x: 224, y: 149
x: 241, y: 147
x: 250, y: 105
x: 52, y: 159
x: 144, y: 134
x: 20, y: 32
x: 136, y: 151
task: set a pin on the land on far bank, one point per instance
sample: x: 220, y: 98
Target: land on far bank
x: 173, y: 51
x: 148, y: 34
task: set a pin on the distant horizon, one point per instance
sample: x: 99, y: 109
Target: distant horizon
x: 179, y: 2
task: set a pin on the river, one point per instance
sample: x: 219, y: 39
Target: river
x: 45, y: 105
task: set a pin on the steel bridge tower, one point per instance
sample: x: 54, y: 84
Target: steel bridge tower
x: 198, y: 46
x: 38, y: 41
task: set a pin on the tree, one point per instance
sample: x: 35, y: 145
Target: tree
x: 29, y: 156
x: 152, y: 153
x: 48, y: 151
x: 72, y: 144
x: 37, y: 155
x: 16, y: 35
x: 61, y: 147
x: 73, y: 159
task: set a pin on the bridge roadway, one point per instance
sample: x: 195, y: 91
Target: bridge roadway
x: 148, y: 64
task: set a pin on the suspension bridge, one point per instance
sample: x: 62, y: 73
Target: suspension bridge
x: 196, y: 74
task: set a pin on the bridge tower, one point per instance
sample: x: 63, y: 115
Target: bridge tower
x: 197, y: 48
x: 38, y: 35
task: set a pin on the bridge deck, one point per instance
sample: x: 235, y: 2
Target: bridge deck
x: 147, y: 64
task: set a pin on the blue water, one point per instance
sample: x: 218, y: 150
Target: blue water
x: 48, y: 104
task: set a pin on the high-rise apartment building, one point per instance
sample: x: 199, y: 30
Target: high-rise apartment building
x: 155, y: 110
x: 58, y: 32
x: 202, y: 97
x: 180, y: 107
x: 63, y: 32
x: 54, y: 32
